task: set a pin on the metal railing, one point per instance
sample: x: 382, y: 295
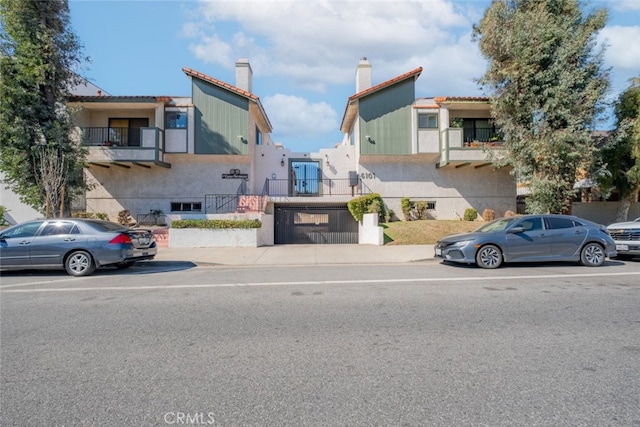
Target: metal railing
x: 234, y: 203
x: 481, y: 135
x: 314, y: 187
x: 110, y: 136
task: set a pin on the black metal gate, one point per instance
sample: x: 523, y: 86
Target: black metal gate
x: 315, y: 225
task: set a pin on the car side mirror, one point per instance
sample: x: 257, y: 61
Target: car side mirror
x: 516, y: 230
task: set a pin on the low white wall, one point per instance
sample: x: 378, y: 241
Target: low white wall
x: 206, y: 238
x: 369, y: 233
x: 211, y: 238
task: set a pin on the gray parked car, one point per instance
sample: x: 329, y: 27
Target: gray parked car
x: 77, y: 245
x: 529, y: 238
x: 627, y: 238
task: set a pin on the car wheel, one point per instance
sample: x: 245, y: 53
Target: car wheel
x: 124, y: 265
x: 592, y: 255
x: 489, y: 256
x: 79, y: 263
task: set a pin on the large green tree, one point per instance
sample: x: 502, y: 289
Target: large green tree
x: 547, y: 84
x: 39, y: 57
x: 621, y: 156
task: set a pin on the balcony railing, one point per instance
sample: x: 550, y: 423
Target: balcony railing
x: 110, y: 136
x: 481, y: 136
x: 314, y: 187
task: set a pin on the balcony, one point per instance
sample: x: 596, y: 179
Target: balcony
x: 324, y: 187
x: 467, y: 147
x: 123, y: 146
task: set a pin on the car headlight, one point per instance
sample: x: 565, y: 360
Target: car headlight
x: 460, y: 243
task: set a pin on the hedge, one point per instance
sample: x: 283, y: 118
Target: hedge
x: 216, y: 223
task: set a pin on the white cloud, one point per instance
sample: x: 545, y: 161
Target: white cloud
x: 623, y: 49
x: 295, y: 116
x: 318, y: 42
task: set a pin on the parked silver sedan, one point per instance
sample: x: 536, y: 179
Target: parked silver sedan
x: 626, y: 235
x: 77, y: 245
x: 529, y: 238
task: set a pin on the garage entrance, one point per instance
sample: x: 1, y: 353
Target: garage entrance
x: 315, y: 225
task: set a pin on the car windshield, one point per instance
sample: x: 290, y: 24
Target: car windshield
x: 497, y: 225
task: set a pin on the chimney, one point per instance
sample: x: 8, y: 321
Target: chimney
x: 363, y: 75
x: 243, y: 74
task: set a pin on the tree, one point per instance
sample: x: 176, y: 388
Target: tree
x: 621, y: 156
x: 548, y: 85
x: 39, y: 54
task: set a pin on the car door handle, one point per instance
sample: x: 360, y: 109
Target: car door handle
x: 25, y: 242
x: 70, y: 239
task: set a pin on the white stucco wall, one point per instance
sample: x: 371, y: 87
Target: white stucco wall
x: 453, y: 190
x: 203, y: 238
x: 17, y: 211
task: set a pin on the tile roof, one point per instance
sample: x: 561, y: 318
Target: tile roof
x: 117, y: 98
x: 413, y: 73
x: 220, y: 83
x: 350, y: 110
x: 439, y: 99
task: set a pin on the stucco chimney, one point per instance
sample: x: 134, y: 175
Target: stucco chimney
x: 244, y: 74
x: 363, y: 75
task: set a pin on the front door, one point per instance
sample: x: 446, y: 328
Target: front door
x: 126, y: 131
x: 305, y: 178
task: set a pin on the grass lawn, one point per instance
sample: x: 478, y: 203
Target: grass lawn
x: 425, y: 232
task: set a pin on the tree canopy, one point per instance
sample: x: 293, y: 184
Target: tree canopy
x: 547, y: 85
x: 39, y: 57
x: 621, y: 156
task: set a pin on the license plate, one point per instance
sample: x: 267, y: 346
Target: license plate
x: 622, y: 247
x: 438, y: 252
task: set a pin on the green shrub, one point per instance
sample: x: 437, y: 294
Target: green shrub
x: 390, y: 215
x: 421, y: 209
x: 361, y: 205
x: 406, y: 206
x: 216, y: 223
x: 470, y: 214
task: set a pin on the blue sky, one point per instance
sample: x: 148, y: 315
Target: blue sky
x: 304, y: 53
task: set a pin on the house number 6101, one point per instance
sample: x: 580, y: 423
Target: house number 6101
x: 367, y: 175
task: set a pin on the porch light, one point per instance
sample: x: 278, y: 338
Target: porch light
x: 282, y: 162
x: 369, y: 139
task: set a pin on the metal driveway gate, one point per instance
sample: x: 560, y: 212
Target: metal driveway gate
x: 315, y: 225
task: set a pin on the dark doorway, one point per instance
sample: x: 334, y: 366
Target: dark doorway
x: 126, y: 131
x: 315, y: 225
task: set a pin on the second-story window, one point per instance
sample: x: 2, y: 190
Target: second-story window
x: 258, y: 136
x: 175, y: 120
x: 427, y: 121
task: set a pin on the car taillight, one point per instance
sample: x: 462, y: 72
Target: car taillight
x: 120, y: 238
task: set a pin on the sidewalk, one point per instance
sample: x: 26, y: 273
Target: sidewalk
x: 299, y: 255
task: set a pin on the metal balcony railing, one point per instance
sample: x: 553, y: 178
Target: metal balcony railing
x: 314, y: 187
x: 110, y: 136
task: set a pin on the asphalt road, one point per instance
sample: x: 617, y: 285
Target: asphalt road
x: 391, y: 345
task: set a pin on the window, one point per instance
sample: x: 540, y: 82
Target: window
x: 258, y: 136
x: 531, y: 224
x: 186, y: 206
x: 556, y: 223
x: 25, y: 230
x: 58, y: 228
x: 175, y: 120
x: 427, y: 121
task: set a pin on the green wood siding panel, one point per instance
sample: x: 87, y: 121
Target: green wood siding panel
x: 386, y: 117
x: 220, y: 117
